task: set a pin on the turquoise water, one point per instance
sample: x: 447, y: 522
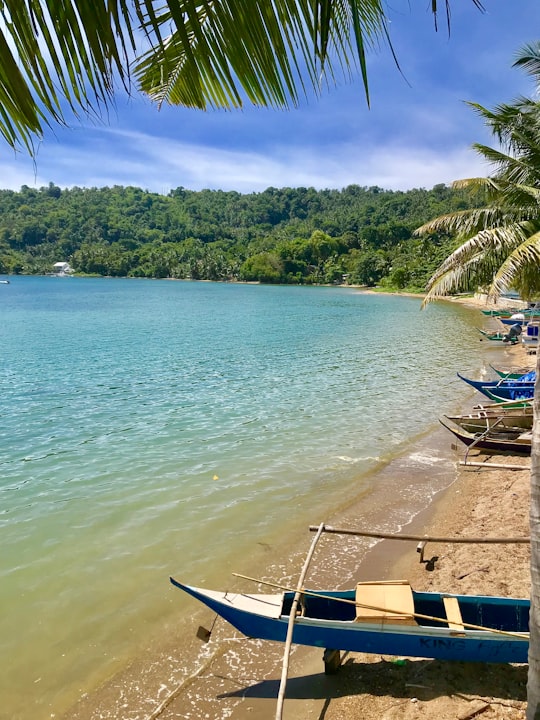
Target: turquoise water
x: 151, y: 427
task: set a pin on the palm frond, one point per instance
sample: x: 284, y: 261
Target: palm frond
x: 481, y: 255
x: 68, y: 55
x: 528, y: 58
x: 464, y: 222
x: 479, y: 183
x: 53, y: 54
x: 507, y: 248
x: 219, y: 53
x: 523, y: 257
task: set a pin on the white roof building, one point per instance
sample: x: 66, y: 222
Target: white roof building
x: 61, y: 268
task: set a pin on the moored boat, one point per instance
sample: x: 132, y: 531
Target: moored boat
x: 518, y: 319
x: 498, y: 337
x: 387, y: 618
x: 506, y: 404
x: 517, y: 419
x: 506, y: 393
x: 500, y: 387
x: 510, y: 374
x: 510, y: 442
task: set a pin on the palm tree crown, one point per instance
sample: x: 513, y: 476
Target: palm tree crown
x: 500, y: 241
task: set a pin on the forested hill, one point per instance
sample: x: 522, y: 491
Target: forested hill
x: 357, y: 235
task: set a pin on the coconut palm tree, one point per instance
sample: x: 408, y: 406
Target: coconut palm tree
x: 501, y: 240
x: 195, y: 53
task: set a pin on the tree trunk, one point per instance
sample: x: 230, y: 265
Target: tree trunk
x: 533, y: 683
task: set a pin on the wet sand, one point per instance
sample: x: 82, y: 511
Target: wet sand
x: 236, y: 684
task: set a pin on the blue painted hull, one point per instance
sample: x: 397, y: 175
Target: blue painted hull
x: 504, y: 389
x: 433, y: 640
x: 506, y: 393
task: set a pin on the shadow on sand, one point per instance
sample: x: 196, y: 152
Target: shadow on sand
x: 423, y: 679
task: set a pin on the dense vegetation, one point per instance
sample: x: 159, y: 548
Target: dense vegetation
x: 357, y: 235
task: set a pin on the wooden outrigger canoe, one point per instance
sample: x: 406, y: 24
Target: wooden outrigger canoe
x: 502, y: 419
x: 504, y: 404
x: 388, y: 618
x: 508, y: 442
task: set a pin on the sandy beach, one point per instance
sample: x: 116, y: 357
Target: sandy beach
x: 477, y: 502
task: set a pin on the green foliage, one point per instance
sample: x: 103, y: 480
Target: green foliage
x: 498, y: 239
x: 356, y: 235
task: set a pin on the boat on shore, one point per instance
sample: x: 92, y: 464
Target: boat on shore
x: 503, y: 419
x: 493, y: 442
x: 509, y: 393
x: 511, y: 373
x: 383, y: 618
x: 503, y: 387
x: 503, y: 312
x: 498, y: 337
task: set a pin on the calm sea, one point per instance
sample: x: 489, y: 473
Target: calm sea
x: 155, y: 427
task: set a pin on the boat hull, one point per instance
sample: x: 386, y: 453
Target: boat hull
x: 382, y: 638
x: 502, y: 393
x: 498, y: 420
x: 493, y: 443
x: 523, y: 388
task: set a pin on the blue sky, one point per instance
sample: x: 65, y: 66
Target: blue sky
x: 417, y: 133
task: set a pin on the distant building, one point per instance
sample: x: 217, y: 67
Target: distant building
x: 62, y: 268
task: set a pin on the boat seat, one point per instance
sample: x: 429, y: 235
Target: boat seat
x: 382, y: 597
x: 453, y: 613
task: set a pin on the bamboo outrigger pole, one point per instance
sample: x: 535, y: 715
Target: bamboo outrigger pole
x: 292, y: 615
x: 422, y: 538
x: 503, y: 466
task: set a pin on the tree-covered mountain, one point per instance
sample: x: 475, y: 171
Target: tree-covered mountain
x: 357, y: 235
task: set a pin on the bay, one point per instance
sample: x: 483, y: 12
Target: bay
x: 151, y: 427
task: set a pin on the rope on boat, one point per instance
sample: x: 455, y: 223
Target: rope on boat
x: 286, y: 654
x: 422, y: 538
x: 420, y: 616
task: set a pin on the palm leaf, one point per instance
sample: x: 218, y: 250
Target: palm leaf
x: 219, y: 54
x: 525, y: 256
x: 68, y: 55
x: 528, y: 58
x: 465, y: 222
x: 86, y: 45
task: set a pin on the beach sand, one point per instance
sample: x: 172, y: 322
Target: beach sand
x: 478, y: 502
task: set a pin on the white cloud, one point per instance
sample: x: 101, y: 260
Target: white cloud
x: 159, y: 164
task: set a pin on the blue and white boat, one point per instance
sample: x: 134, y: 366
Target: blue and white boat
x: 512, y: 389
x: 387, y: 618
